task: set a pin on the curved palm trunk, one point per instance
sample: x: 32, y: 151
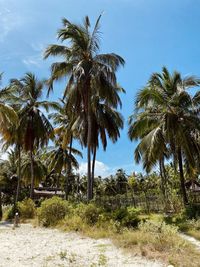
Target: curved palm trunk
x: 182, y: 179
x: 1, y: 212
x: 89, y: 135
x: 93, y: 166
x: 68, y: 172
x: 89, y: 141
x: 18, y: 174
x: 32, y: 175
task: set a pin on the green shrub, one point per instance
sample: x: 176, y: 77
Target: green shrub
x: 127, y: 217
x: 160, y: 228
x: 120, y: 214
x: 192, y: 211
x: 88, y: 212
x: 26, y: 208
x: 52, y: 211
x: 189, y: 225
x: 8, y: 213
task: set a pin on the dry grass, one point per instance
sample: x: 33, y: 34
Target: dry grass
x: 194, y: 233
x: 172, y: 250
x: 151, y: 242
x: 191, y: 227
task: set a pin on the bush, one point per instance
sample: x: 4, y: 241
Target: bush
x: 189, y: 225
x: 162, y: 236
x: 158, y: 228
x: 128, y: 217
x: 26, y: 208
x: 192, y: 211
x: 52, y: 211
x: 8, y: 213
x: 88, y: 212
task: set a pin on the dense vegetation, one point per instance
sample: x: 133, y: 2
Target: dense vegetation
x: 39, y: 136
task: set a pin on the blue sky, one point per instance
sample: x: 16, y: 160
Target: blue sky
x: 146, y: 33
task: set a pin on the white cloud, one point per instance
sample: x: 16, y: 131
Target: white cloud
x: 32, y: 60
x: 38, y: 46
x: 9, y: 21
x: 101, y: 169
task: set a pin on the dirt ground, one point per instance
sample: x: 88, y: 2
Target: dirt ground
x: 40, y: 247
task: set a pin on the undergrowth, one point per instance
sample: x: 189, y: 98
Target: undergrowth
x: 153, y: 236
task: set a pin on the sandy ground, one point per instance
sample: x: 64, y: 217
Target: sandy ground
x: 40, y: 247
x: 192, y: 240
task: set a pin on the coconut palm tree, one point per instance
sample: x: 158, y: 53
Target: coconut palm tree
x: 35, y: 125
x: 106, y: 123
x: 165, y: 119
x: 66, y: 133
x: 39, y: 170
x: 89, y: 73
x: 60, y: 159
x: 15, y: 138
x: 8, y: 179
x: 8, y: 117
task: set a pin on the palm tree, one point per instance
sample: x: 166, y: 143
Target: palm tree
x: 8, y: 177
x: 15, y: 138
x: 89, y: 73
x: 60, y: 159
x: 8, y: 117
x: 36, y: 127
x: 165, y: 120
x: 39, y: 169
x: 106, y: 122
x: 63, y: 154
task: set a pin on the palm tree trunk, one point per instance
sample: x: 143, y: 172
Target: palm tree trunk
x: 67, y: 183
x: 78, y: 186
x: 93, y: 166
x: 32, y: 175
x: 182, y: 179
x: 68, y: 172
x: 162, y: 179
x: 89, y: 136
x: 1, y: 212
x: 18, y: 174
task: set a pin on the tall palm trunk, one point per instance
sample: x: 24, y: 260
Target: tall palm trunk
x: 32, y: 174
x: 78, y: 186
x: 19, y: 173
x: 162, y: 179
x: 93, y: 166
x: 89, y: 141
x: 182, y: 179
x: 1, y: 212
x: 164, y: 182
x: 89, y: 184
x: 68, y: 172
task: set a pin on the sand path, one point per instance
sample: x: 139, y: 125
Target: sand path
x: 40, y: 247
x: 191, y: 239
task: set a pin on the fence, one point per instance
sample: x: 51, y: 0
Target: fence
x: 147, y: 203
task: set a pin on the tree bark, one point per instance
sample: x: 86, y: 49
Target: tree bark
x: 68, y: 172
x: 1, y: 212
x: 67, y: 184
x: 32, y: 175
x: 18, y: 174
x: 162, y: 179
x: 93, y: 167
x: 89, y: 137
x: 78, y: 186
x: 181, y: 175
